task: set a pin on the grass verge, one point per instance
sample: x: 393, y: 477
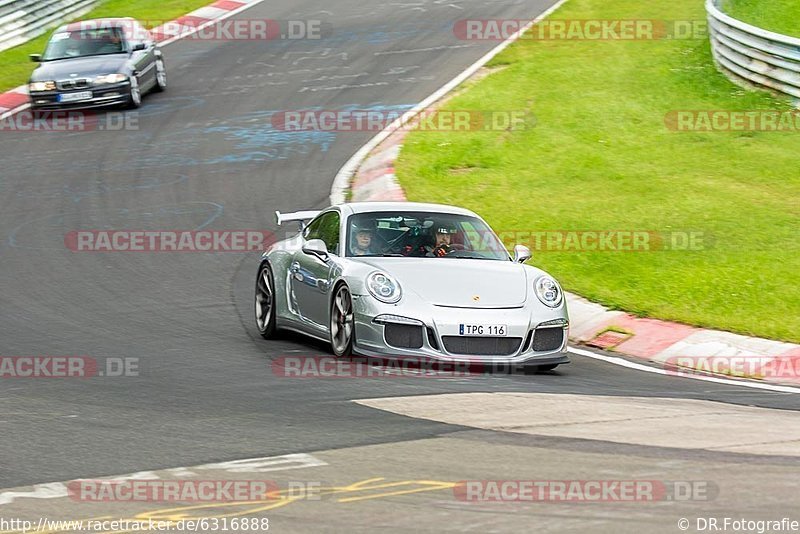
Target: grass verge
x: 782, y: 16
x: 15, y: 67
x: 601, y: 157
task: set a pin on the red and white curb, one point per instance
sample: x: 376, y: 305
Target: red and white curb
x: 13, y: 101
x: 17, y: 100
x: 370, y: 176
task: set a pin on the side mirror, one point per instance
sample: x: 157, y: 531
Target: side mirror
x: 139, y: 46
x: 521, y: 254
x: 316, y: 247
x: 36, y: 58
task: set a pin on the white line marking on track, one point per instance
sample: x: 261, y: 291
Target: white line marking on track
x: 40, y: 491
x: 56, y: 490
x: 655, y: 370
x: 263, y: 465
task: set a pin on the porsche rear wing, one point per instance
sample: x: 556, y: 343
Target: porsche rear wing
x: 301, y: 217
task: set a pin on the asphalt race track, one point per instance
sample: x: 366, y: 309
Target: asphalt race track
x: 206, y: 156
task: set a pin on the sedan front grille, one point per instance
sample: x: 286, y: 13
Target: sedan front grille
x: 546, y: 339
x: 74, y: 83
x: 482, y: 346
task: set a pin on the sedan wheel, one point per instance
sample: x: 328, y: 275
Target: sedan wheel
x: 342, y: 323
x: 265, y: 302
x: 135, y: 96
x: 161, y: 77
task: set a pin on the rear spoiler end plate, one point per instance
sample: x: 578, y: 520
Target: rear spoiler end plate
x: 302, y: 217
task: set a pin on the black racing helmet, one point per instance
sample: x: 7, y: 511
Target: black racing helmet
x: 444, y: 227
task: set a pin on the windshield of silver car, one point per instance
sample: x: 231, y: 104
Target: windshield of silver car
x: 422, y: 234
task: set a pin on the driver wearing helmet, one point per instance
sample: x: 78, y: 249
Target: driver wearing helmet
x: 361, y: 242
x: 443, y: 234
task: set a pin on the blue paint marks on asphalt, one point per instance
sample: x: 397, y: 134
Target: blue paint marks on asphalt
x: 253, y: 137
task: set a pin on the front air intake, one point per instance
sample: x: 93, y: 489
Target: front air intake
x: 482, y: 346
x: 403, y: 336
x: 548, y: 339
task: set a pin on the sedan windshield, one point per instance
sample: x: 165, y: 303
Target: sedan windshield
x: 422, y: 234
x: 86, y: 42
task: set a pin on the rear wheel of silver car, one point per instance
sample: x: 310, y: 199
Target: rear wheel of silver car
x: 161, y: 77
x: 265, y: 302
x: 342, y: 322
x: 135, y: 95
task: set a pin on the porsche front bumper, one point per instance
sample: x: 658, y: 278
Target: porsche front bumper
x: 534, y: 336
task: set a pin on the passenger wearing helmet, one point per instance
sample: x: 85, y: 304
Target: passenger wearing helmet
x: 361, y: 243
x: 443, y: 234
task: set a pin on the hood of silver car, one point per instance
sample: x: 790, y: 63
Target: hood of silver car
x: 460, y: 283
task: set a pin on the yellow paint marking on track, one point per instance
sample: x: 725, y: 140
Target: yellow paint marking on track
x: 438, y: 486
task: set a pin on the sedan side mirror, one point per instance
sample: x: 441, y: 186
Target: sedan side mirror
x: 139, y: 46
x: 316, y: 247
x: 36, y: 58
x: 521, y: 254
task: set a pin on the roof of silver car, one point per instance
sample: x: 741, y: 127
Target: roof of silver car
x: 368, y: 207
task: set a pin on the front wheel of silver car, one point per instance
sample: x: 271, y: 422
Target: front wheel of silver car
x: 265, y: 302
x: 342, y: 322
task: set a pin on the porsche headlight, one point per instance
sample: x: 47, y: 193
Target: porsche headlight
x: 110, y: 78
x: 383, y: 287
x: 42, y: 86
x: 548, y: 291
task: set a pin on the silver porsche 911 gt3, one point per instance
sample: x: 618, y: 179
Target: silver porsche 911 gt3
x: 400, y: 280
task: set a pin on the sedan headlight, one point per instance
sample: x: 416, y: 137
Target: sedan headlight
x: 42, y: 86
x: 548, y: 291
x: 110, y: 78
x: 383, y: 287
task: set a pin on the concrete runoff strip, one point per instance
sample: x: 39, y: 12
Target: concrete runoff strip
x: 658, y: 422
x: 359, y: 490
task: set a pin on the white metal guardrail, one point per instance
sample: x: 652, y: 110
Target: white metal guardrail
x: 22, y: 20
x: 752, y: 55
